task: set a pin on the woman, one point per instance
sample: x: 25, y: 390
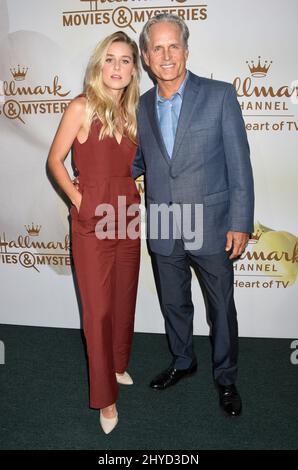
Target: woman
x: 100, y: 125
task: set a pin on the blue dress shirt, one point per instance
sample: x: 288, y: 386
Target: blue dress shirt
x: 168, y: 111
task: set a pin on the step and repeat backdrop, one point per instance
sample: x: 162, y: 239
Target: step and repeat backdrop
x: 44, y: 49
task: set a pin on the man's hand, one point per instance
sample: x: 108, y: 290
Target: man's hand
x: 237, y: 241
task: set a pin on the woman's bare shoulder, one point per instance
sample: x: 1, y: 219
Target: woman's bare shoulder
x: 78, y: 104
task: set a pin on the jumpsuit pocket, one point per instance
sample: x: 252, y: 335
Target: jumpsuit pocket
x: 81, y: 205
x: 87, y: 206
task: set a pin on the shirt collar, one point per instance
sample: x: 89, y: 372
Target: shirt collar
x: 179, y: 92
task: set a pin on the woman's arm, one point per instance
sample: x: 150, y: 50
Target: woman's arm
x: 71, y: 125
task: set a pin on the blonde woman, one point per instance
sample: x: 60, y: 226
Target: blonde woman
x: 100, y: 126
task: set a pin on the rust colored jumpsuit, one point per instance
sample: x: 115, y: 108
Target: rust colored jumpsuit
x: 107, y: 269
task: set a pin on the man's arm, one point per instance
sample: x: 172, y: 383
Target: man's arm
x: 138, y: 166
x: 239, y: 174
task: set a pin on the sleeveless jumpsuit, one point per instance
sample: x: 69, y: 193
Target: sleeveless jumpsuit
x: 107, y: 269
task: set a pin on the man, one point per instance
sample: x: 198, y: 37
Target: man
x: 193, y: 151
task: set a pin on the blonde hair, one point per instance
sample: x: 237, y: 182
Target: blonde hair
x: 100, y: 103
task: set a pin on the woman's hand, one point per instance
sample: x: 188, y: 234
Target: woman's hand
x: 78, y: 197
x: 77, y: 201
x: 76, y: 182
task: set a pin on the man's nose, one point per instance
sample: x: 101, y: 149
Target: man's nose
x: 166, y: 54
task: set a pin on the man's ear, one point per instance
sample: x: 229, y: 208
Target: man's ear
x: 145, y: 58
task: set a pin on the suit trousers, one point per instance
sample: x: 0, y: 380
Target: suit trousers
x: 216, y: 277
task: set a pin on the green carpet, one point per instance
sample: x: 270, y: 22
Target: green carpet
x: 44, y: 397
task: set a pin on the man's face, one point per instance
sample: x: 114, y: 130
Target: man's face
x: 166, y: 55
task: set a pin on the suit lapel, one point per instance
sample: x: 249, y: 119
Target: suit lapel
x: 153, y: 119
x: 189, y: 103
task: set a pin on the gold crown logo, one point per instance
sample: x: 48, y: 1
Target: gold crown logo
x: 255, y: 237
x: 33, y: 230
x: 19, y: 74
x: 259, y: 70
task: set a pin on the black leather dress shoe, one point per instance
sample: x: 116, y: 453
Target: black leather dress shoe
x: 229, y: 400
x: 171, y: 376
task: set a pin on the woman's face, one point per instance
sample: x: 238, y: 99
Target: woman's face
x: 118, y: 68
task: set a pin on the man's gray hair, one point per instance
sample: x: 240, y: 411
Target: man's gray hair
x: 163, y: 18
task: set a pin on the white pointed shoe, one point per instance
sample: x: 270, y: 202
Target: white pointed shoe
x: 124, y: 379
x: 108, y: 424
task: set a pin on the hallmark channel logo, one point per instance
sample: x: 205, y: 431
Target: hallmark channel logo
x: 102, y: 12
x: 30, y: 251
x: 259, y: 70
x: 270, y: 260
x: 19, y: 74
x: 19, y: 100
x: 259, y: 98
